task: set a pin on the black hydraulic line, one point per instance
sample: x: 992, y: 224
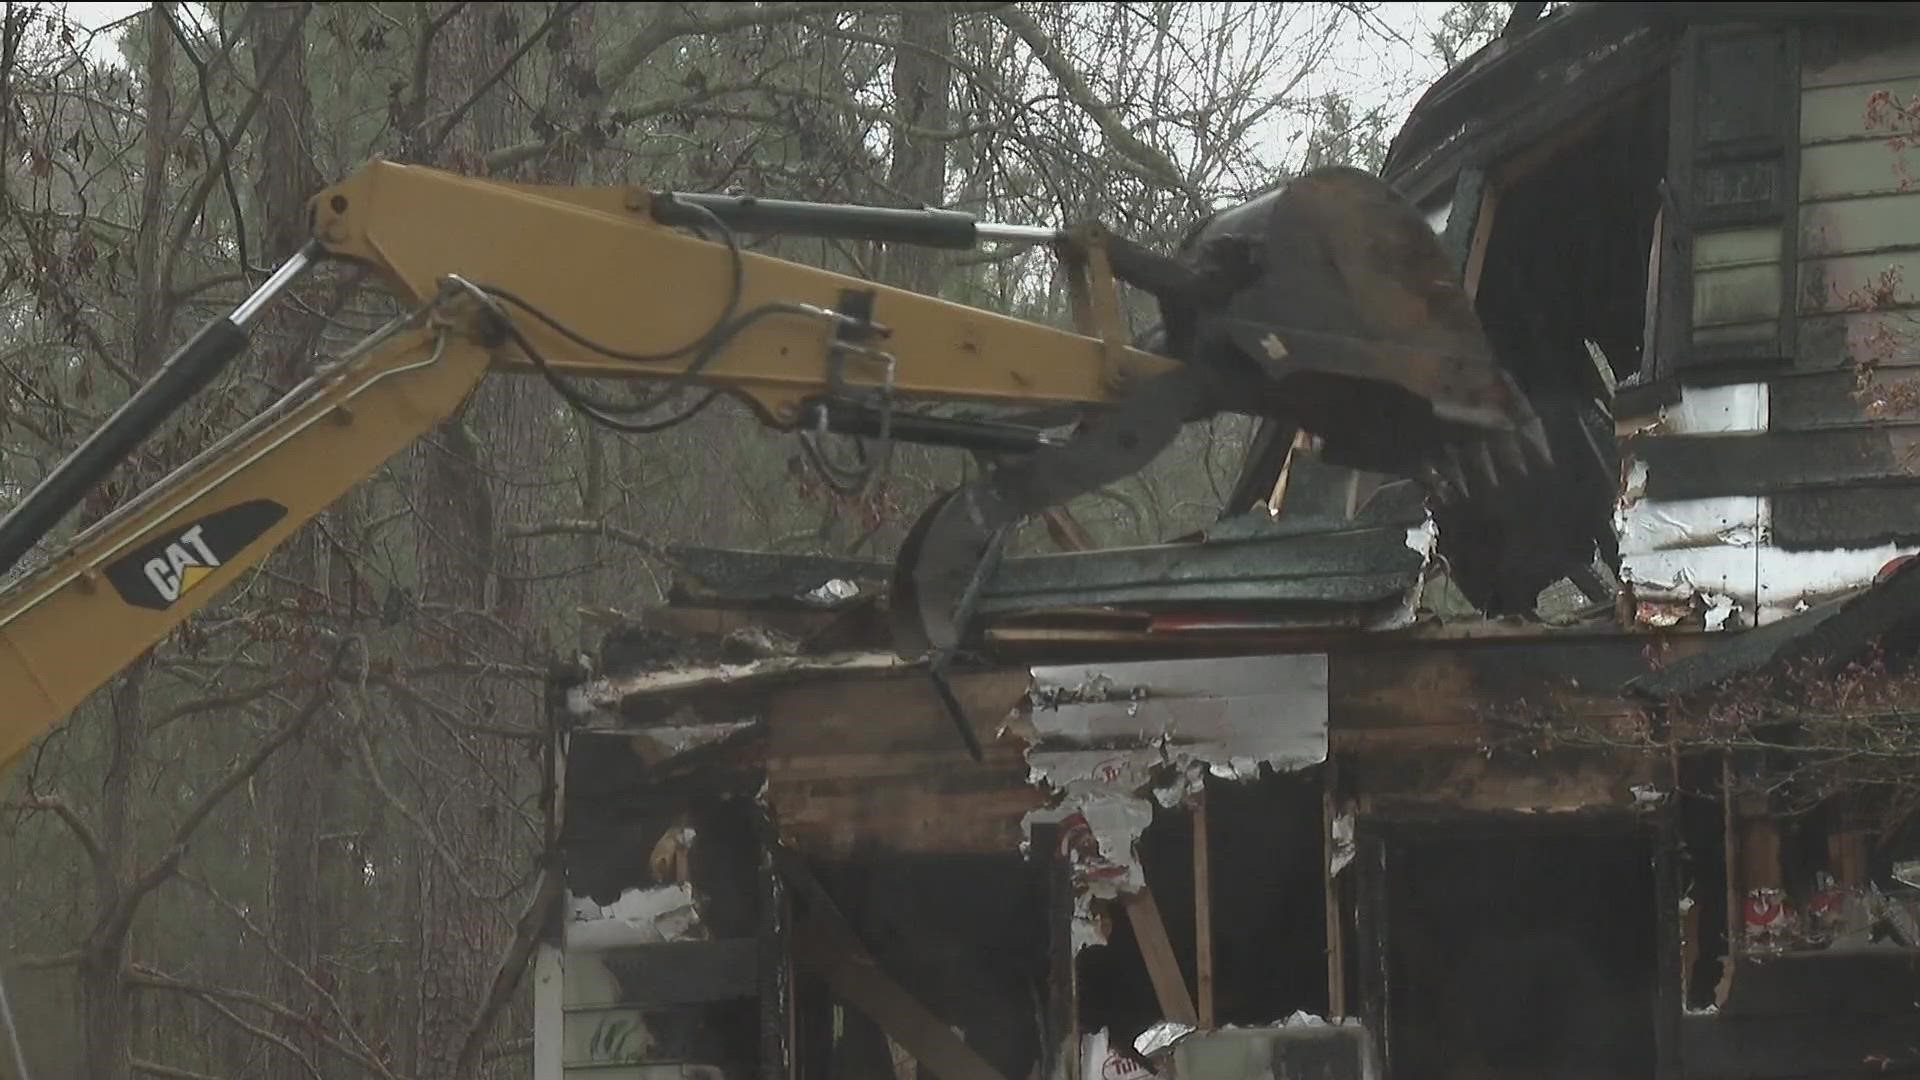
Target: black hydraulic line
x: 185, y: 373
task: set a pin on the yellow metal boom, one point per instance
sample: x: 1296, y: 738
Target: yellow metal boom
x: 1327, y: 302
x: 594, y: 261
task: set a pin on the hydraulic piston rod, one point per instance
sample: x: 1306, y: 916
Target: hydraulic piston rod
x: 841, y: 221
x: 185, y: 373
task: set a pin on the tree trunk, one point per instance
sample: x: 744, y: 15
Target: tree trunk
x: 105, y: 1000
x: 458, y: 553
x: 106, y: 1012
x: 922, y: 93
x: 299, y: 792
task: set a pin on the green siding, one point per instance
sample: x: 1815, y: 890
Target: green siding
x: 1839, y: 113
x: 1841, y: 170
x: 1859, y: 219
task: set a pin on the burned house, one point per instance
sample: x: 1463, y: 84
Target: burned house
x: 1607, y: 777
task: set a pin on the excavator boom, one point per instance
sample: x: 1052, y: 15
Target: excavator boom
x: 595, y: 283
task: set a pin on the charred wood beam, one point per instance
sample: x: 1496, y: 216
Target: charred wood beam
x: 1202, y: 914
x: 1853, y: 517
x: 1060, y: 1039
x: 1704, y: 466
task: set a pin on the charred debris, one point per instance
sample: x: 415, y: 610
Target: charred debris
x: 1612, y: 774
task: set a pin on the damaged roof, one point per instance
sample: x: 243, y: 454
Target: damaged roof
x: 1583, y: 50
x: 1316, y: 570
x: 1306, y: 571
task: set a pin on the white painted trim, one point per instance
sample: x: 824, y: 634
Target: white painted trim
x: 549, y: 1012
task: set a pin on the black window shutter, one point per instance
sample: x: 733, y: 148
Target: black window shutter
x: 1726, y: 308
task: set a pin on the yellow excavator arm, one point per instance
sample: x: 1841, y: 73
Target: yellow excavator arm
x: 577, y: 283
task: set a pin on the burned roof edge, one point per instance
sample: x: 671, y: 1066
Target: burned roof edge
x: 1502, y: 72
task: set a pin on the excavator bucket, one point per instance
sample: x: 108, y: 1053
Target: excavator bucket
x: 1327, y: 304
x: 1339, y: 296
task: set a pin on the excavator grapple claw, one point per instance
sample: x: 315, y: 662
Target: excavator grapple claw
x: 1327, y: 304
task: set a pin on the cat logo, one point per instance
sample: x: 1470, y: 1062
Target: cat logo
x: 160, y: 572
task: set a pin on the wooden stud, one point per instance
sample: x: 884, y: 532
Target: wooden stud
x: 1847, y: 857
x: 1482, y: 237
x: 1169, y: 986
x: 1336, y: 943
x: 1066, y: 532
x: 1202, y: 913
x: 1301, y: 442
x: 1736, y: 921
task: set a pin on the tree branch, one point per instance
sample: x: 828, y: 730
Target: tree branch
x: 150, y: 978
x: 459, y: 113
x: 154, y: 1068
x: 497, y: 731
x: 365, y: 1058
x: 164, y: 868
x: 422, y: 66
x: 426, y: 831
x: 58, y: 807
x: 633, y: 55
x: 203, y: 77
x: 243, y: 696
x: 580, y: 527
x: 513, y: 964
x: 190, y: 213
x: 1157, y: 164
x: 48, y: 963
x: 211, y: 997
